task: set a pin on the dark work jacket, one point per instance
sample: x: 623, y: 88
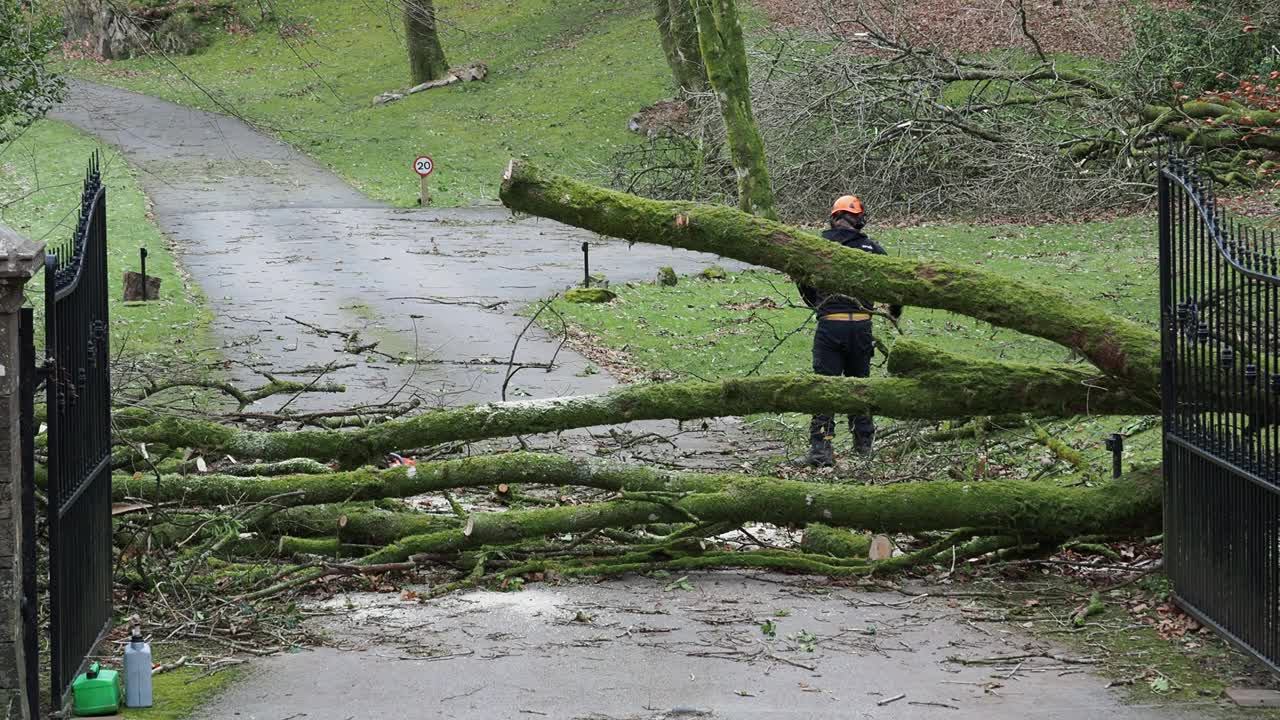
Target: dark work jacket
x: 814, y: 298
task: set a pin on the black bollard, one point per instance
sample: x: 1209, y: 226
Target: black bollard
x: 1115, y: 444
x: 142, y: 252
x: 586, y: 266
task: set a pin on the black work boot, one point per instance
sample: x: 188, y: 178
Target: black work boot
x: 862, y: 443
x: 821, y: 454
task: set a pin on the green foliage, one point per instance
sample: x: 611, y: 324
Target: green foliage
x: 28, y: 89
x: 805, y: 640
x: 1195, y: 44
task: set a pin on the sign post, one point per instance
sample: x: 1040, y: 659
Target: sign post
x: 424, y: 167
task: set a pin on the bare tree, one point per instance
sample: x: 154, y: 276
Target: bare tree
x: 921, y: 131
x: 426, y: 58
x: 725, y: 54
x: 678, y: 29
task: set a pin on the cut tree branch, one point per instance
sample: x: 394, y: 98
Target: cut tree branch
x: 934, y: 385
x: 1117, y: 346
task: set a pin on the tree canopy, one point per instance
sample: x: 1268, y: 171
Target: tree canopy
x: 28, y: 88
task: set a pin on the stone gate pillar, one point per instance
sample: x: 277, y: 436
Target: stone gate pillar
x: 20, y: 259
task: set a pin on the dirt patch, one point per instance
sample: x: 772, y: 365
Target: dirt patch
x: 1094, y: 28
x: 619, y: 363
x: 664, y: 116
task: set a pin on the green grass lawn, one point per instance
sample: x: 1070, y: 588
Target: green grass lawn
x: 41, y: 174
x: 564, y: 78
x: 179, y: 693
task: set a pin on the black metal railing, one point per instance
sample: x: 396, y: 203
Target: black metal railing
x: 1220, y: 334
x: 78, y: 387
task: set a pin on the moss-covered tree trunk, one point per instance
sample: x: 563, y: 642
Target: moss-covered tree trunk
x: 1131, y: 505
x: 648, y: 496
x: 725, y: 54
x: 932, y: 385
x: 426, y: 57
x: 1121, y: 348
x: 678, y: 30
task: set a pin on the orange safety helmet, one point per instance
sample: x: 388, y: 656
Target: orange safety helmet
x: 847, y: 204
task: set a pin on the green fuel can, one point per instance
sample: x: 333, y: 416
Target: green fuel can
x: 96, y: 692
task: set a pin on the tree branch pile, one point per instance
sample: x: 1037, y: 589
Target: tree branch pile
x: 922, y: 131
x: 669, y: 516
x: 329, y: 502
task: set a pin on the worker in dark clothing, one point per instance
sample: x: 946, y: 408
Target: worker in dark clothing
x: 843, y: 343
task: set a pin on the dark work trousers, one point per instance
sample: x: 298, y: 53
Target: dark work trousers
x: 842, y: 347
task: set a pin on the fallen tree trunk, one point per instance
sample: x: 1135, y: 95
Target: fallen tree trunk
x: 649, y: 496
x: 1212, y: 125
x: 405, y: 481
x: 935, y: 386
x: 1117, y: 346
x: 1031, y: 510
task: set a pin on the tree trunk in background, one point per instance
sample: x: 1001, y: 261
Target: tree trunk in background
x: 426, y: 57
x: 109, y: 34
x: 725, y: 55
x: 678, y: 29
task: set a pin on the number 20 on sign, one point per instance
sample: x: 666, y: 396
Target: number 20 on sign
x: 424, y: 167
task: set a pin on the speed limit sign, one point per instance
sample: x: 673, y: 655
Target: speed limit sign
x: 423, y: 165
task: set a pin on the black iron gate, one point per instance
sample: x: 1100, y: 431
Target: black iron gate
x: 30, y: 588
x: 78, y: 387
x: 1220, y: 329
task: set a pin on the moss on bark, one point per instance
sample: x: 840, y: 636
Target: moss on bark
x: 1017, y: 508
x: 1231, y: 127
x: 938, y: 386
x: 724, y: 52
x: 836, y: 542
x: 1117, y: 346
x: 678, y: 30
x: 650, y: 496
x: 371, y: 484
x: 426, y: 57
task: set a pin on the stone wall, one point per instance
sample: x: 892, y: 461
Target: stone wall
x: 19, y: 259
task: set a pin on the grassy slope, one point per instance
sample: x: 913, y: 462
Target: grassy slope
x: 564, y: 78
x: 40, y: 179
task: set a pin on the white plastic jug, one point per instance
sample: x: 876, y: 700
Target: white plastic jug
x: 137, y: 671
